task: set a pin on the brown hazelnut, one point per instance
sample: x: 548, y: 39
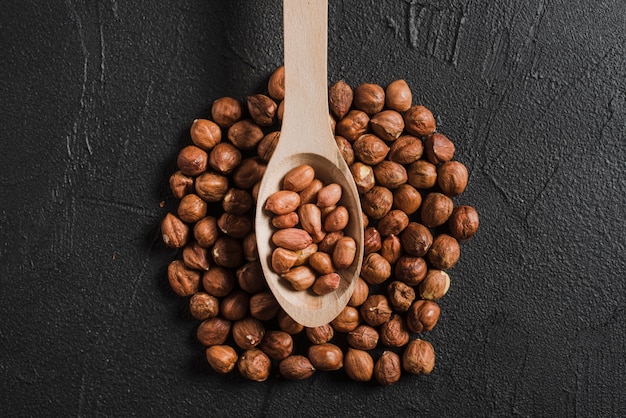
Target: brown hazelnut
x: 344, y: 252
x: 237, y: 201
x: 398, y: 96
x: 354, y: 124
x: 277, y: 344
x: 359, y: 365
x: 394, y: 332
x: 296, y: 368
x: 227, y: 252
x: 213, y: 331
x: 281, y: 111
x: 254, y: 365
x: 347, y: 320
x: 463, y: 222
x: 435, y: 210
x: 401, y: 296
x: 418, y: 357
x: 376, y: 310
x: 218, y: 281
x: 329, y: 195
x: 264, y: 306
x: 371, y: 240
x: 249, y: 172
x: 235, y: 305
x: 196, y: 257
x: 444, y: 253
x: 435, y: 285
x: 360, y: 294
x: 328, y: 243
x: 321, y: 262
x: 422, y: 316
x: 416, y: 239
x: 205, y: 134
x: 250, y: 252
x: 298, y: 178
x: 326, y: 356
x: 407, y: 199
x: 205, y: 231
x: 421, y: 174
x: 419, y: 121
x: 438, y: 148
x: 288, y: 324
x: 337, y: 220
x: 370, y: 98
x: 248, y: 332
x: 363, y: 337
x: 225, y: 111
x: 276, y: 84
x: 262, y: 109
x: 174, y: 232
x: 292, y: 239
x: 300, y: 278
x: 340, y: 98
x: 191, y: 208
x: 233, y: 225
x: 267, y: 145
x: 377, y: 202
x: 180, y: 184
x: 345, y: 149
x: 370, y: 149
x: 283, y: 260
x: 410, y: 269
x: 388, y: 369
x: 393, y: 223
x: 363, y: 176
x: 211, y: 186
x: 452, y: 178
x: 375, y: 269
x: 388, y: 124
x: 203, y: 306
x: 192, y: 160
x: 406, y: 149
x: 326, y: 284
x: 309, y: 194
x: 221, y: 358
x: 224, y: 158
x: 183, y: 280
x: 320, y: 335
x: 391, y: 248
x: 390, y: 174
x: 282, y: 202
x: 245, y: 134
x: 250, y: 277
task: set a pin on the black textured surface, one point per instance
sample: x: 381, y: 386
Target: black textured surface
x: 97, y: 97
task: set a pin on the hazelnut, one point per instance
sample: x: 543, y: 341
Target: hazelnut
x: 345, y: 149
x: 360, y: 294
x: 401, y: 296
x: 394, y: 332
x: 300, y: 278
x: 370, y: 149
x: 248, y: 332
x: 299, y: 178
x: 375, y: 269
x: 340, y: 98
x: 221, y: 358
x: 463, y: 222
x: 328, y: 243
x: 321, y: 262
x: 282, y: 202
x: 281, y: 111
x: 435, y: 210
x: 419, y: 121
x: 329, y: 195
x: 233, y: 225
x: 237, y: 201
x: 363, y: 176
x: 387, y: 369
x: 309, y: 194
x: 418, y: 357
x: 416, y: 239
x: 211, y: 186
x: 371, y: 240
x: 264, y: 306
x: 205, y: 134
x: 218, y: 281
x: 347, y: 320
x: 174, y: 232
x: 376, y: 310
x: 406, y: 150
x: 180, y: 184
x: 393, y: 223
x: 277, y: 344
x: 262, y: 109
x: 326, y: 284
x: 224, y: 158
x: 225, y: 111
x: 326, y: 356
x: 183, y: 280
x: 250, y: 252
x: 288, y: 324
x: 255, y: 365
x: 377, y: 202
x: 344, y: 252
x: 203, y: 306
x: 435, y: 285
x: 191, y: 208
x: 196, y: 257
x: 390, y: 174
x: 354, y: 124
x: 296, y: 368
x: 288, y: 220
x: 283, y: 260
x: 192, y: 160
x: 444, y: 253
x: 249, y: 172
x: 320, y: 335
x: 213, y: 331
x: 422, y: 316
x: 391, y: 249
x: 398, y: 96
x: 227, y: 252
x: 363, y: 337
x: 276, y: 84
x: 245, y: 134
x: 250, y: 277
x: 452, y: 178
x: 292, y: 238
x: 267, y: 145
x: 410, y: 269
x: 359, y: 365
x: 438, y: 148
x: 235, y: 305
x: 337, y: 220
x: 407, y: 199
x: 370, y: 98
x: 421, y: 174
x: 388, y: 124
x: 205, y: 231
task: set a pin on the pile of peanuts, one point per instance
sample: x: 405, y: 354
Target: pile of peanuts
x: 406, y: 176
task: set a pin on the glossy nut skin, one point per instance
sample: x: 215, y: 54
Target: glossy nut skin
x: 276, y: 84
x: 376, y: 310
x: 213, y: 331
x: 416, y: 239
x: 248, y: 332
x: 347, y: 320
x: 435, y: 285
x: 174, y: 232
x: 340, y: 97
x: 221, y: 358
x: 180, y: 184
x: 438, y: 148
x: 211, y: 187
x: 205, y: 134
x: 359, y: 365
x: 278, y: 345
x: 282, y: 202
x: 344, y: 252
x: 225, y: 111
x: 375, y: 269
x: 419, y: 121
x: 422, y: 174
x: 444, y: 253
x: 298, y: 178
x: 254, y: 365
x: 183, y: 280
x: 192, y: 161
x: 422, y: 316
x: 388, y: 124
x: 320, y: 335
x: 354, y: 124
x: 463, y: 223
x: 224, y: 158
x: 245, y: 134
x: 452, y: 178
x: 435, y: 210
x: 370, y: 149
x: 418, y: 357
x: 296, y: 367
x: 326, y: 356
x: 398, y: 96
x: 370, y: 98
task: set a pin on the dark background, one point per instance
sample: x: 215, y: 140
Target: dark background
x: 97, y: 97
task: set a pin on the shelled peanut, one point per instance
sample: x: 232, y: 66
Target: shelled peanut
x: 407, y: 179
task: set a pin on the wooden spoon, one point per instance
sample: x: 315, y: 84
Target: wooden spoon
x: 306, y: 138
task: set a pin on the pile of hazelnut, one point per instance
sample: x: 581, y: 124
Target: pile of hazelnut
x: 406, y: 176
